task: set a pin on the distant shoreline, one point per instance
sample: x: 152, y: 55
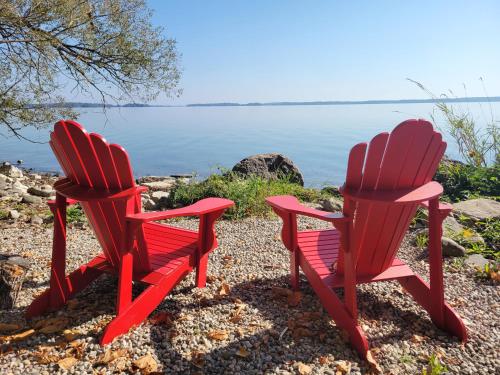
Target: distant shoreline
x: 476, y: 99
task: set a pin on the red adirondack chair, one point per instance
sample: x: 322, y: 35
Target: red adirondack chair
x: 386, y: 182
x: 99, y: 177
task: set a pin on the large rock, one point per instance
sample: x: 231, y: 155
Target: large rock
x: 163, y: 184
x: 269, y: 166
x: 9, y: 170
x: 31, y: 199
x: 476, y: 260
x: 451, y: 248
x: 478, y: 209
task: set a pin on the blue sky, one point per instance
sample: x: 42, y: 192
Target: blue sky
x: 267, y: 50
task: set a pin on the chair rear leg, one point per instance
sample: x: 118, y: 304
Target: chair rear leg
x: 74, y: 283
x: 294, y: 270
x: 201, y: 271
x: 446, y: 319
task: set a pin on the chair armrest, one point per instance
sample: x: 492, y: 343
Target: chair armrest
x: 429, y: 191
x: 70, y: 190
x: 202, y: 207
x: 292, y: 205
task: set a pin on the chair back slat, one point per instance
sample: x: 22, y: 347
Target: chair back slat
x: 407, y: 157
x: 90, y: 162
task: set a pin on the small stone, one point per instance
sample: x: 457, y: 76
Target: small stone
x: 476, y: 260
x: 36, y: 220
x: 14, y: 214
x: 41, y: 191
x: 31, y: 199
x: 451, y: 248
x: 332, y: 204
x: 149, y: 204
x: 156, y: 196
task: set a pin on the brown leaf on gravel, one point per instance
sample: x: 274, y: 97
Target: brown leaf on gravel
x: 111, y: 355
x: 303, y: 369
x: 67, y: 363
x: 224, y: 290
x: 198, y: 359
x: 76, y: 348
x: 218, y: 334
x: 19, y: 336
x: 236, y: 315
x: 162, y: 318
x: 146, y: 364
x: 242, y: 352
x: 211, y: 279
x: 374, y: 366
x: 71, y: 334
x: 324, y: 360
x: 73, y: 304
x: 344, y: 367
x: 301, y: 332
x: 294, y: 298
x: 51, y: 325
x: 280, y: 292
x: 416, y: 339
x: 46, y: 355
x: 9, y: 327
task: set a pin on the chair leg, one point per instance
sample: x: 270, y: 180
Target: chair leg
x: 294, y: 270
x: 422, y: 293
x: 142, y: 306
x: 201, y: 271
x: 76, y: 282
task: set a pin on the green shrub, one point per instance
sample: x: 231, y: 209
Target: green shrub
x: 434, y: 366
x: 75, y: 214
x: 461, y: 181
x: 248, y: 193
x: 3, y: 214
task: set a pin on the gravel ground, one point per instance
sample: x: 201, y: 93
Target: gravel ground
x: 246, y: 328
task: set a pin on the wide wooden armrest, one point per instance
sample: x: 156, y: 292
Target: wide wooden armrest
x: 202, y: 207
x: 69, y: 189
x: 429, y: 191
x: 291, y: 204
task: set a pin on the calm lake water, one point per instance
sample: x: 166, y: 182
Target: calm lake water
x: 175, y: 140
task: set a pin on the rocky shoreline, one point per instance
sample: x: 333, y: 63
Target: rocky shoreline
x: 239, y: 323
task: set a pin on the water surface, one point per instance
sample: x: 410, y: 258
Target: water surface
x: 175, y: 140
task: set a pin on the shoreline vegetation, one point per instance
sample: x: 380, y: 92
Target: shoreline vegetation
x: 475, y: 99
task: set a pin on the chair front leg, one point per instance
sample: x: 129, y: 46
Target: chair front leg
x: 58, y: 285
x: 436, y: 217
x: 124, y: 298
x: 207, y: 241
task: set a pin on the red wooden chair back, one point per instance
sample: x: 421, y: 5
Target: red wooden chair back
x: 90, y: 162
x: 407, y: 157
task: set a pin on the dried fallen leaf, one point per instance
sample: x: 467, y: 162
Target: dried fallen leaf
x: 9, y: 327
x: 73, y: 304
x: 294, y: 299
x: 67, y: 363
x: 224, y: 290
x: 344, y: 367
x: 52, y: 325
x: 162, y: 318
x: 323, y: 360
x: 147, y: 364
x: 211, y: 279
x: 218, y: 334
x: 242, y: 352
x: 71, y: 334
x: 374, y: 366
x: 303, y: 369
x: 416, y: 339
x: 281, y: 292
x: 21, y: 336
x: 111, y: 355
x: 198, y: 359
